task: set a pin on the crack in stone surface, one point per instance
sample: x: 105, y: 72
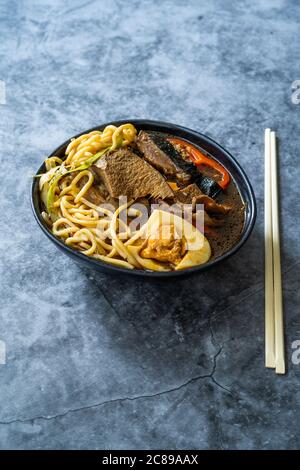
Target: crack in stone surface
x: 100, y: 290
x: 154, y: 395
x: 114, y: 400
x: 220, y: 346
x: 98, y: 286
x: 223, y: 387
x: 124, y: 399
x: 216, y: 313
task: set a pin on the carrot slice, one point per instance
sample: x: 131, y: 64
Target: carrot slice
x: 197, y: 157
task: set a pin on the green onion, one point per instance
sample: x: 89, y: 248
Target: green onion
x: 53, y: 182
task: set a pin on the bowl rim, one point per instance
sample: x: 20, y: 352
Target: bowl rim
x: 96, y: 264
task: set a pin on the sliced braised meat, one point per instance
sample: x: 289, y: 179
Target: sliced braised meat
x: 159, y: 152
x: 193, y: 195
x: 187, y: 194
x: 126, y: 174
x: 179, y: 209
x: 212, y: 206
x: 164, y: 156
x: 95, y: 195
x: 212, y: 221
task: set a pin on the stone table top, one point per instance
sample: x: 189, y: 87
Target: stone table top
x: 94, y: 361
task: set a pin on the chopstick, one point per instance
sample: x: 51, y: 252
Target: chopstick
x: 278, y: 312
x: 269, y: 301
x: 274, y: 328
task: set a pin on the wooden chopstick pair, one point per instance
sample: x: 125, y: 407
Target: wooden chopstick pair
x: 274, y: 328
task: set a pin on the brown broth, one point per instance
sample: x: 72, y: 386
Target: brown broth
x: 226, y: 236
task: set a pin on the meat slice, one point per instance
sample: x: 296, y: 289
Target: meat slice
x: 179, y: 209
x: 95, y: 195
x: 126, y: 174
x: 187, y: 194
x: 163, y: 156
x: 212, y: 206
x: 193, y: 195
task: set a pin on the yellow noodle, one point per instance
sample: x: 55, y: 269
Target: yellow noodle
x: 116, y: 242
x: 85, y: 221
x: 87, y: 185
x: 83, y: 235
x: 99, y: 209
x: 65, y: 232
x: 116, y: 262
x: 93, y: 230
x: 87, y: 145
x: 52, y: 162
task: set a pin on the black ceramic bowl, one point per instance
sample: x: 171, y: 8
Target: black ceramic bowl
x: 197, y: 139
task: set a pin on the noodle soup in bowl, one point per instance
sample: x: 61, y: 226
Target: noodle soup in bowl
x: 145, y: 198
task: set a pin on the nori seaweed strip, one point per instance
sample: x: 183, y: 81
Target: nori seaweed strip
x: 207, y: 185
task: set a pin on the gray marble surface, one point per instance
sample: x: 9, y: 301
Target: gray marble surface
x: 98, y: 362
